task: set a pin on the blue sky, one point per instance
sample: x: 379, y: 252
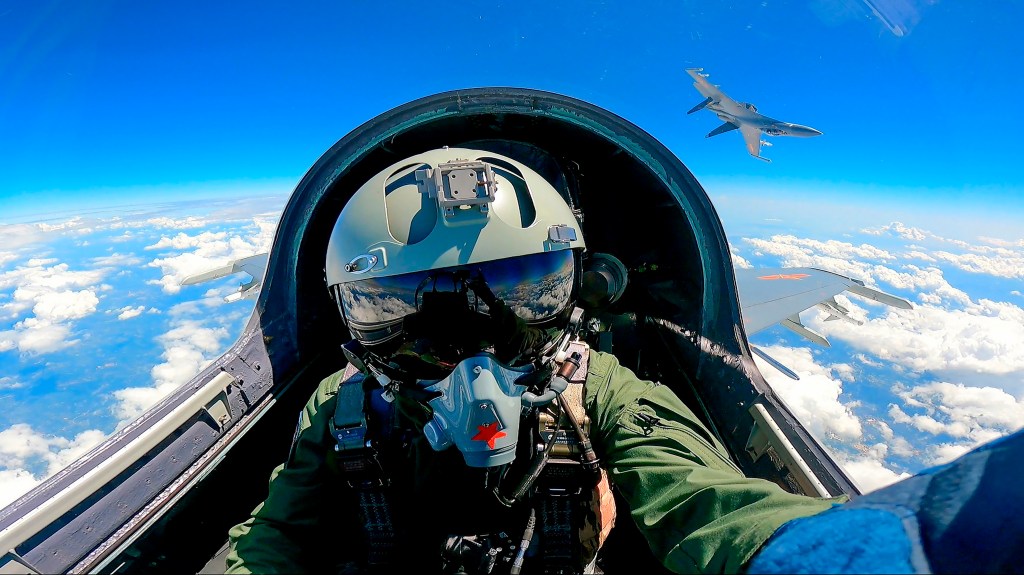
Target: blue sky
x: 105, y: 102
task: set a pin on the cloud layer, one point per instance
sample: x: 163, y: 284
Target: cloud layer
x: 56, y: 277
x: 952, y: 368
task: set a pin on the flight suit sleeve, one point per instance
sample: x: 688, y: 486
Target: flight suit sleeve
x: 695, y: 508
x: 282, y: 533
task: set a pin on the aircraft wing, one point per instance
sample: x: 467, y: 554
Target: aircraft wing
x: 254, y: 265
x: 752, y: 136
x: 707, y: 89
x: 778, y: 295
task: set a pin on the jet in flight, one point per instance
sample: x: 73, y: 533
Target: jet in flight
x: 160, y: 494
x: 742, y: 116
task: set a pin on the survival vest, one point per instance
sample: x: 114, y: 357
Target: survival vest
x: 571, y: 517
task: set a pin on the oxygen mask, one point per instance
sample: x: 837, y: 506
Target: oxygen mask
x: 478, y: 410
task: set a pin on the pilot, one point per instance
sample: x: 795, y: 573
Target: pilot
x: 474, y: 431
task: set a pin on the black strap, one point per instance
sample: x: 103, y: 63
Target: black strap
x: 362, y: 470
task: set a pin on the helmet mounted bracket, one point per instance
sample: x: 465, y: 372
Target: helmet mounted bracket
x: 459, y: 185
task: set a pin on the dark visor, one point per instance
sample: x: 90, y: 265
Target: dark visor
x: 536, y: 287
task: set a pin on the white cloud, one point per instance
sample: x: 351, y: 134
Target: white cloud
x: 50, y: 292
x: 738, y: 260
x: 177, y: 223
x: 899, y: 230
x: 993, y: 256
x: 946, y: 452
x: 65, y: 305
x: 816, y: 402
x: 814, y: 399
x: 844, y: 371
x: 189, y: 222
x: 36, y: 336
x: 16, y: 236
x: 23, y: 448
x: 919, y: 255
x: 129, y: 312
x: 188, y: 348
x: 999, y: 262
x: 897, y: 445
x: 8, y: 382
x: 998, y: 242
x: 183, y: 241
x: 73, y: 223
x: 792, y: 246
x: 869, y: 471
x: 14, y: 483
x: 117, y: 260
x: 209, y: 250
x: 36, y: 277
x: 980, y: 340
x: 968, y: 416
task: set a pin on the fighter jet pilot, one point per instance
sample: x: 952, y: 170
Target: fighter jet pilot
x: 472, y: 432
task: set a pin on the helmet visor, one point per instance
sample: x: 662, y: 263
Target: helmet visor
x: 536, y: 287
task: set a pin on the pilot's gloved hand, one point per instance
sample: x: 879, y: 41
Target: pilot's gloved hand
x: 966, y: 516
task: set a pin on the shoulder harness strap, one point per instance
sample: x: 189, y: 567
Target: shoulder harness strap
x: 361, y: 468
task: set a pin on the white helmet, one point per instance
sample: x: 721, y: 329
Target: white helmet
x: 440, y: 222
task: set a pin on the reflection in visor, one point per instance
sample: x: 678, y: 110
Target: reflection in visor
x: 536, y: 287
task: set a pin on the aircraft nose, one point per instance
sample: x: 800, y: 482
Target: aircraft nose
x: 801, y: 131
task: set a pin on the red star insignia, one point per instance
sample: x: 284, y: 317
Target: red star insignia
x: 488, y: 432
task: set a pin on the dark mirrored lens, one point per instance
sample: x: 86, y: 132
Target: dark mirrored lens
x: 536, y: 287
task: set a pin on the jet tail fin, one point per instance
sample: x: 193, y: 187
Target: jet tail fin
x: 726, y: 127
x: 700, y: 106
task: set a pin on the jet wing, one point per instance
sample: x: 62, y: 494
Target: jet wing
x: 254, y: 265
x: 752, y: 136
x: 778, y: 295
x: 707, y: 89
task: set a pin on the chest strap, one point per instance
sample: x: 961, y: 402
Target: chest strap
x: 357, y: 458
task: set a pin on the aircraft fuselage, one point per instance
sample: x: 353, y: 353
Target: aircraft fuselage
x: 737, y: 113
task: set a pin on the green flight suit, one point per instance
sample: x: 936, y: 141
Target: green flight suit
x: 697, y: 511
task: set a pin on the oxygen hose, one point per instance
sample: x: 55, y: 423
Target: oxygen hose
x: 531, y: 475
x: 589, y: 458
x: 531, y: 523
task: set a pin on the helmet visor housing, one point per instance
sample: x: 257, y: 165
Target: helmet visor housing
x: 538, y: 288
